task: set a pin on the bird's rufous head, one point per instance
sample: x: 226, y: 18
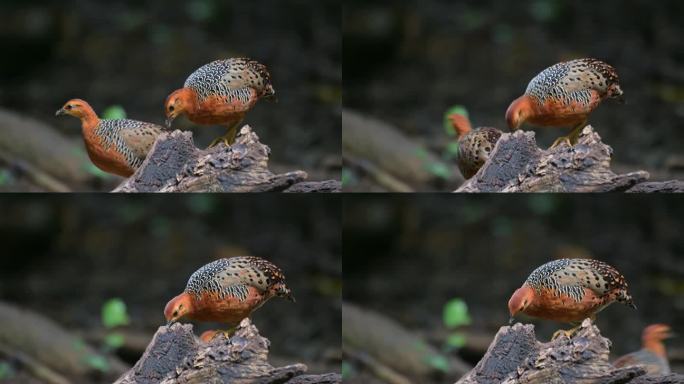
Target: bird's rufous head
x: 178, y: 307
x: 177, y: 103
x: 519, y: 110
x: 520, y: 300
x: 460, y: 123
x: 77, y: 108
x: 656, y: 332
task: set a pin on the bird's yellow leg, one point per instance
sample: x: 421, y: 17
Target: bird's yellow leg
x: 574, y: 134
x: 571, y: 332
x: 229, y: 138
x: 572, y: 137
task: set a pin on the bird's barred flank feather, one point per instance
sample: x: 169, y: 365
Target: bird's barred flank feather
x: 111, y: 134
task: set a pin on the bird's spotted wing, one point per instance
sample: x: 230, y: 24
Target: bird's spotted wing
x: 140, y: 138
x: 231, y: 77
x: 572, y: 276
x: 573, y: 81
x: 231, y: 277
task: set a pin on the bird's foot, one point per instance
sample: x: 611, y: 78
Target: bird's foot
x: 209, y: 335
x: 569, y: 333
x: 222, y: 139
x: 561, y: 140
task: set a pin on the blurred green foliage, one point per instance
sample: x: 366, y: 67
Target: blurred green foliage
x: 455, y: 314
x: 6, y: 371
x: 114, y: 112
x: 438, y: 169
x: 348, y: 177
x: 5, y: 176
x: 347, y: 370
x: 97, y: 362
x: 114, y: 340
x: 448, y: 128
x: 114, y: 313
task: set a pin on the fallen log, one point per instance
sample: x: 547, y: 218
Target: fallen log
x: 517, y: 164
x: 48, y: 350
x: 51, y: 159
x: 516, y: 357
x: 366, y: 139
x: 383, y: 339
x: 176, y: 355
x: 174, y: 164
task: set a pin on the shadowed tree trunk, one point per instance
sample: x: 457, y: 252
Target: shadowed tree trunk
x: 176, y: 355
x: 515, y: 357
x: 517, y: 165
x: 174, y: 164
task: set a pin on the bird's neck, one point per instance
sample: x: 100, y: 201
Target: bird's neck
x: 655, y: 346
x: 89, y: 122
x: 190, y: 100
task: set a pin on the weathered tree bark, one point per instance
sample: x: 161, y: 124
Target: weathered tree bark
x: 515, y: 357
x: 518, y: 165
x: 174, y: 164
x: 175, y: 355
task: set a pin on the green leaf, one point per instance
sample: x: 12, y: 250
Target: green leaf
x: 97, y: 362
x: 348, y: 177
x: 438, y: 169
x: 114, y: 313
x: 114, y: 112
x: 451, y: 150
x: 6, y: 370
x: 456, y: 340
x: 114, y: 340
x: 5, y: 176
x: 347, y: 370
x: 438, y: 362
x: 458, y: 109
x: 455, y: 313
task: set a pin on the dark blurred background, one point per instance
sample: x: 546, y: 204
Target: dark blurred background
x: 407, y: 62
x: 407, y: 257
x: 133, y: 54
x: 64, y: 257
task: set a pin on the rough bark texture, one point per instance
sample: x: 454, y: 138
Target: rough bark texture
x: 515, y: 357
x: 174, y: 164
x: 518, y: 165
x: 175, y: 355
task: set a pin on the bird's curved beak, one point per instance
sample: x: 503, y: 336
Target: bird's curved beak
x: 511, y: 320
x: 60, y: 112
x: 170, y: 322
x: 169, y: 121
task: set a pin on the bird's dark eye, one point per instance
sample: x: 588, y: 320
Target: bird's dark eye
x: 175, y: 313
x: 68, y: 106
x: 171, y: 108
